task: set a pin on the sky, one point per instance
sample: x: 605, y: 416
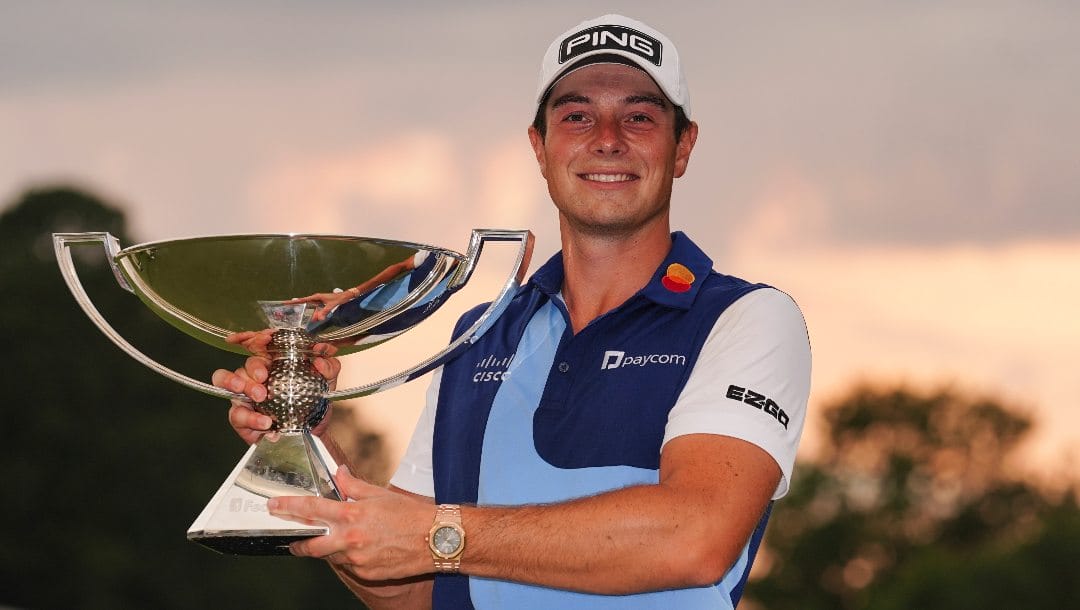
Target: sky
x: 908, y: 171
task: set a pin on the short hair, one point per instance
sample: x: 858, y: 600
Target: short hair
x: 682, y: 122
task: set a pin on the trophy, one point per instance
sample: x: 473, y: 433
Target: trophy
x: 271, y: 295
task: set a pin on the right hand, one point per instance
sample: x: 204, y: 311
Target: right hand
x: 248, y: 380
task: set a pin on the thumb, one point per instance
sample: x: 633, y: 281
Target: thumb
x: 351, y: 486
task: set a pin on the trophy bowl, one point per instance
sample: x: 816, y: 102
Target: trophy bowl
x: 281, y: 297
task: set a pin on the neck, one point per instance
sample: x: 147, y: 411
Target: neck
x: 602, y: 272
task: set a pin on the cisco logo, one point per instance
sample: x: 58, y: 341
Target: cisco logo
x: 492, y: 368
x: 616, y: 359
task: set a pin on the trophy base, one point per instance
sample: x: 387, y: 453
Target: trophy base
x: 247, y: 542
x: 237, y: 522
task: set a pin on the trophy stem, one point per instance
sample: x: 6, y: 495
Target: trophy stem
x: 295, y: 391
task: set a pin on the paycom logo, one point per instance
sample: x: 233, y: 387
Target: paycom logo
x: 616, y: 359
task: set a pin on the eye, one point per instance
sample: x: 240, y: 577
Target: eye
x: 575, y: 117
x: 640, y: 118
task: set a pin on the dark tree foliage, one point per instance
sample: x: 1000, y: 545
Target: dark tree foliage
x: 105, y: 463
x: 909, y: 506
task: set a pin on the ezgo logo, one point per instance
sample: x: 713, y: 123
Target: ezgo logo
x: 616, y: 359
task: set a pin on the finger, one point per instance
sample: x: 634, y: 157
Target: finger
x: 329, y: 547
x: 327, y: 367
x: 353, y: 487
x: 242, y: 379
x: 242, y: 417
x: 305, y: 509
x: 257, y: 368
x: 229, y: 380
x: 325, y: 349
x: 238, y: 338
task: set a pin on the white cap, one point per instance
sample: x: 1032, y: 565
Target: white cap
x: 616, y: 39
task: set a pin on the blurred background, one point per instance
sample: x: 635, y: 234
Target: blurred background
x: 908, y: 171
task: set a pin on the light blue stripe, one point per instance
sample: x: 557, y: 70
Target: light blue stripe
x: 512, y: 472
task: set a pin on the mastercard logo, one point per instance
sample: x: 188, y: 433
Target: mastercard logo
x: 677, y: 278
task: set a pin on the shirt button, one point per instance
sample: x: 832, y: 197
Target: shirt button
x: 564, y: 366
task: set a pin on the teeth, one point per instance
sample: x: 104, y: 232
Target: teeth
x: 609, y: 177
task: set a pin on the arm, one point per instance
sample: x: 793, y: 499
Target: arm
x: 685, y: 531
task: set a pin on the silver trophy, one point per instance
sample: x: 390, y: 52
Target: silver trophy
x: 257, y: 294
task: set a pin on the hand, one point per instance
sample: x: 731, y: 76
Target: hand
x: 248, y: 423
x: 378, y: 536
x: 329, y: 301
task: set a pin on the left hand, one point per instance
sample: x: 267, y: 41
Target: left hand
x: 378, y: 535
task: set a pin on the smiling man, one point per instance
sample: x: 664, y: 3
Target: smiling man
x: 617, y: 438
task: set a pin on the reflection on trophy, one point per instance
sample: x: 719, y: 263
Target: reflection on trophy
x: 279, y: 297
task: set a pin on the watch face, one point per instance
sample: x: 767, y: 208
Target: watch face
x: 447, y: 540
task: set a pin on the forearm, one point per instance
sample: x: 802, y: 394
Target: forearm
x: 688, y: 530
x: 627, y: 541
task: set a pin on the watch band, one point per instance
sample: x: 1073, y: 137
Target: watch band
x: 447, y: 515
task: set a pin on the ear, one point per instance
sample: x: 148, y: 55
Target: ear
x: 684, y: 147
x: 537, y: 142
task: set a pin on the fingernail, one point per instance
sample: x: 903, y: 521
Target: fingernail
x: 258, y: 393
x: 265, y: 422
x: 272, y: 504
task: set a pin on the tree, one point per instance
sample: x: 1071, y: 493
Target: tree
x: 910, y: 506
x: 105, y: 463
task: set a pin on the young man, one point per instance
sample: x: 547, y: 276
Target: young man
x: 643, y: 410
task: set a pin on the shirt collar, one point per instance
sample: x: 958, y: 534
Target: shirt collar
x: 675, y: 283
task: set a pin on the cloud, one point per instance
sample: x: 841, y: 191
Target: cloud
x: 999, y: 320
x: 402, y: 175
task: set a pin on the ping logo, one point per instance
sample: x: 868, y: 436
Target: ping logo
x: 617, y: 359
x: 678, y: 278
x: 611, y: 37
x: 759, y: 401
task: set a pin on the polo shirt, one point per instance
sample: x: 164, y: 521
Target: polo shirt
x: 534, y: 413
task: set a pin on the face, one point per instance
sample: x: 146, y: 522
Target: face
x: 610, y: 153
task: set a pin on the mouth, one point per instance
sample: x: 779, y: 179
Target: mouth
x: 608, y: 178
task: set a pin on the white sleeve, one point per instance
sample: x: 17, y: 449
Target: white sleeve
x: 415, y: 473
x: 751, y: 380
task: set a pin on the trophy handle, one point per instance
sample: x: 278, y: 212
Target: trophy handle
x: 524, y: 238
x: 62, y: 244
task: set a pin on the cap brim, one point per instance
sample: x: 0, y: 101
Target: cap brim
x: 599, y: 58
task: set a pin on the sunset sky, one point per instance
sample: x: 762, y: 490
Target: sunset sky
x: 908, y: 171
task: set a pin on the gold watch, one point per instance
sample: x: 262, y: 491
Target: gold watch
x: 446, y: 539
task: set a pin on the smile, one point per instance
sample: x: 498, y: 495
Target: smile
x: 609, y: 177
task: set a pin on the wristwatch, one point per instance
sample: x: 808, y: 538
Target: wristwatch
x: 446, y: 539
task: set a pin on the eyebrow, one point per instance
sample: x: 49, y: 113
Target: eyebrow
x: 655, y: 100
x: 570, y: 98
x: 576, y: 98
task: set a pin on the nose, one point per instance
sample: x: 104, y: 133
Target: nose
x: 609, y: 138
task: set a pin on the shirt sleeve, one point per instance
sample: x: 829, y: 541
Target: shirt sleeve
x: 415, y: 473
x: 751, y: 380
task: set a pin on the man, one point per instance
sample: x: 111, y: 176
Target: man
x: 642, y: 410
